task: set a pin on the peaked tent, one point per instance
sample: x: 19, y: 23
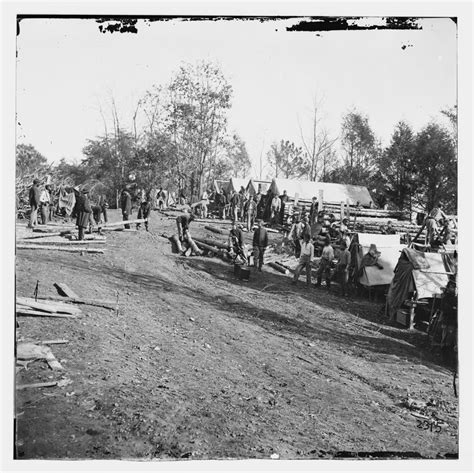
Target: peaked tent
x: 253, y: 185
x: 236, y: 183
x: 423, y: 274
x: 389, y: 247
x: 220, y: 185
x: 333, y: 193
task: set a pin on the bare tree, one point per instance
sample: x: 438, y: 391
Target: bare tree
x: 317, y: 143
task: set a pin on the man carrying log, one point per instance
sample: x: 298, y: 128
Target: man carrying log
x: 126, y: 205
x: 307, y: 255
x: 260, y: 243
x: 83, y: 212
x: 236, y: 243
x: 34, y: 198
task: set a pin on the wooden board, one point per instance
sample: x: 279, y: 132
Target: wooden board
x: 64, y: 290
x: 48, y: 307
x: 38, y: 313
x: 71, y: 249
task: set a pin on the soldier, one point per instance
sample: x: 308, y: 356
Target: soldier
x: 126, y: 205
x: 260, y: 243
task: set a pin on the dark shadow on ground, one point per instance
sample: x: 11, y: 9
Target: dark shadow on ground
x: 271, y: 320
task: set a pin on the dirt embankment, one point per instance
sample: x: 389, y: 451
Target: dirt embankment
x: 197, y: 364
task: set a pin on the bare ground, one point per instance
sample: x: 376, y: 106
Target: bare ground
x: 197, y: 364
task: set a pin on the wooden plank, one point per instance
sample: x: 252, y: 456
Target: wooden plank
x: 48, y: 384
x: 64, y: 290
x: 53, y: 342
x: 123, y: 222
x: 60, y: 248
x: 48, y: 307
x: 38, y: 313
x: 63, y: 242
x: 81, y: 300
x: 42, y: 235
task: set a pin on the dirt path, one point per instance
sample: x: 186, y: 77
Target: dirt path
x: 198, y: 364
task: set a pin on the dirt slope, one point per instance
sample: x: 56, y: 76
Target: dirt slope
x: 198, y: 364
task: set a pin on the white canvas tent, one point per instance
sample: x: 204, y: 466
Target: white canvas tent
x: 236, y: 183
x: 333, y: 193
x: 390, y: 249
x: 254, y: 184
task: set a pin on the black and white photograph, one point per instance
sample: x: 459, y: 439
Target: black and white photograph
x: 236, y: 238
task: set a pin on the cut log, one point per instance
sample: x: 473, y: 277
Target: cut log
x: 214, y: 229
x: 63, y: 242
x: 42, y: 235
x: 48, y: 307
x: 53, y: 342
x: 64, y: 290
x: 60, y: 248
x: 213, y: 220
x: 278, y: 267
x: 51, y: 230
x: 81, y: 300
x: 38, y: 313
x: 213, y: 249
x: 193, y: 246
x: 208, y: 241
x: 47, y: 384
x: 123, y: 222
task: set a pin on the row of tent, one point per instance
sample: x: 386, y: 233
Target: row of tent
x: 296, y: 189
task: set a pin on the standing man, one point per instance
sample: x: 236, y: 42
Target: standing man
x: 83, y: 211
x: 236, y: 242
x: 260, y: 243
x: 283, y: 200
x: 204, y: 203
x: 342, y: 267
x: 275, y: 209
x: 34, y: 198
x: 251, y: 212
x: 235, y: 206
x: 45, y: 200
x: 307, y: 255
x: 313, y: 211
x: 126, y: 205
x: 325, y: 264
x: 296, y: 234
x: 144, y: 211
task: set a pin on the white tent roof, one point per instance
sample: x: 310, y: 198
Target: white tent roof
x: 332, y: 192
x: 253, y: 184
x: 236, y: 183
x: 390, y: 249
x: 431, y: 281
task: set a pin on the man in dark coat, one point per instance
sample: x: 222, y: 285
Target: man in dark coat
x: 260, y: 243
x: 284, y: 199
x: 126, y: 205
x: 34, y: 198
x: 144, y: 211
x: 236, y: 242
x: 83, y: 211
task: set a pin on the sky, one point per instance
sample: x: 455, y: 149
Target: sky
x: 67, y: 70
